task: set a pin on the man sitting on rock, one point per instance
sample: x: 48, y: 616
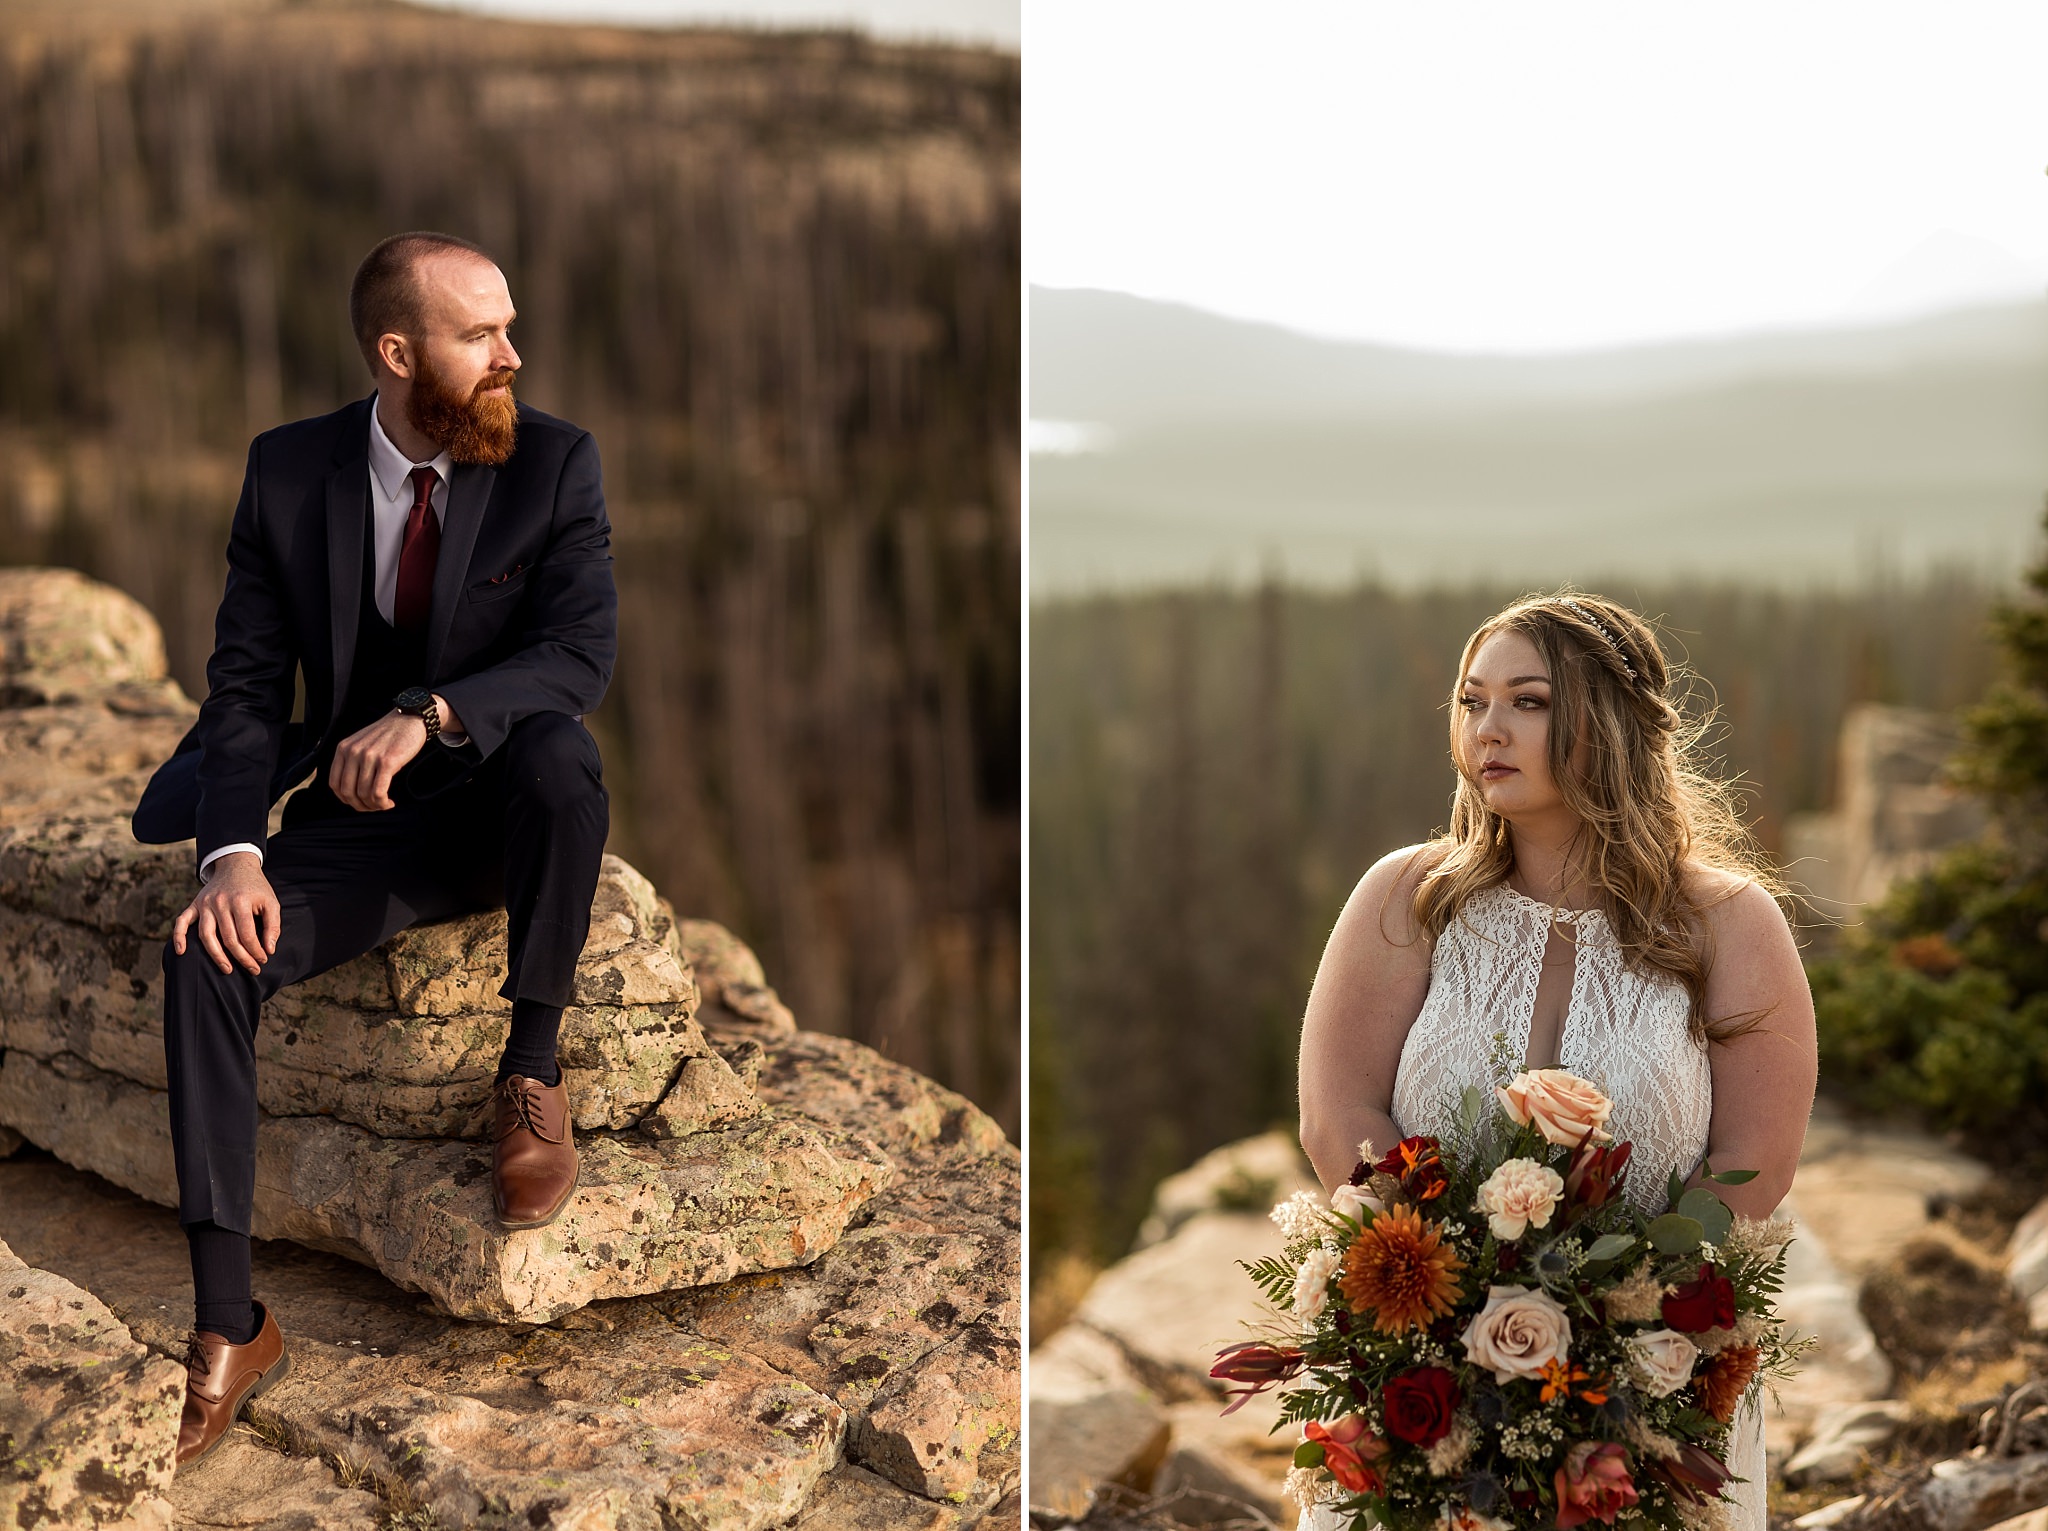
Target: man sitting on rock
x: 434, y: 564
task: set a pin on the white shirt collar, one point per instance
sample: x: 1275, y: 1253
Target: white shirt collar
x: 392, y: 467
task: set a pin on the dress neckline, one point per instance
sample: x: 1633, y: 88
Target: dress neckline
x: 1561, y: 916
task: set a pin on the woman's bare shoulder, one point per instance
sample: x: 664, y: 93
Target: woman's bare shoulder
x: 1731, y: 902
x: 1383, y: 903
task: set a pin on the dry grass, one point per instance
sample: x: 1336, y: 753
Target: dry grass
x: 403, y: 1509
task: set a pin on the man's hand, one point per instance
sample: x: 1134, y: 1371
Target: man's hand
x: 367, y: 760
x: 228, y: 912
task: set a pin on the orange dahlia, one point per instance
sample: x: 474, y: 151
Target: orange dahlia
x: 1721, y: 1380
x: 1401, y: 1268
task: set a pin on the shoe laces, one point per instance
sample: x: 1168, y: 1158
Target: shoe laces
x: 198, y: 1356
x: 525, y: 1101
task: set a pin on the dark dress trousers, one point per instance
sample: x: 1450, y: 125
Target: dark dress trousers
x: 520, y: 640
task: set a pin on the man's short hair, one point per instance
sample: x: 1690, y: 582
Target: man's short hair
x: 384, y: 299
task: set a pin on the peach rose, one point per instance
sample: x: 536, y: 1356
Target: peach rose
x: 1349, y: 1450
x: 1663, y: 1359
x: 1520, y: 1193
x: 1563, y: 1107
x: 1519, y: 1332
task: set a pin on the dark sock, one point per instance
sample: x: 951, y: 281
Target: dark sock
x: 220, y: 1282
x: 530, y: 1050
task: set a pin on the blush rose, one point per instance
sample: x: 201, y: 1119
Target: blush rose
x: 1518, y: 1333
x: 1663, y: 1360
x: 1355, y: 1201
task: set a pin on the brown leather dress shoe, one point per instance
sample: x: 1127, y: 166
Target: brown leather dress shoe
x: 533, y: 1152
x: 220, y: 1377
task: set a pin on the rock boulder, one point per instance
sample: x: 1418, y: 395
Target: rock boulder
x: 88, y: 1418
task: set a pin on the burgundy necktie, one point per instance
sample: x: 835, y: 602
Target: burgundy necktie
x: 416, y: 558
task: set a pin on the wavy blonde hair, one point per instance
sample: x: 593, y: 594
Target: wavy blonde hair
x: 1625, y: 760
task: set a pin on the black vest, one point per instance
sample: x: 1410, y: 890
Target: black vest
x: 386, y: 662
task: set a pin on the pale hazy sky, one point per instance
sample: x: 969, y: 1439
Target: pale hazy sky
x: 1504, y: 175
x: 972, y: 21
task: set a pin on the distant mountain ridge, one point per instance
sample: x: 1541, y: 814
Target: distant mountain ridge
x: 1230, y: 447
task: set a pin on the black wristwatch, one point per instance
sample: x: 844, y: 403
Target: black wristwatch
x: 418, y: 702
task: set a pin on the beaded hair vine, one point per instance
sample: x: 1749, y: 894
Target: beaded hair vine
x: 1612, y: 642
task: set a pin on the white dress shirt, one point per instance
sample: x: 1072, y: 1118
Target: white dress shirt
x: 390, y: 505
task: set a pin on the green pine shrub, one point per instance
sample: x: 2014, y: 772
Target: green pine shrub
x: 1938, y: 1003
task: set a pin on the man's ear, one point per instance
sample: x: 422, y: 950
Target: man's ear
x: 395, y: 351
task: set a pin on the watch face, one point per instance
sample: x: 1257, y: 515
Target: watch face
x: 412, y: 700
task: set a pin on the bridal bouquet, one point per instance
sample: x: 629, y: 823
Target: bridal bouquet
x: 1481, y: 1333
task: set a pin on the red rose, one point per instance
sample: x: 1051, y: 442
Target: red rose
x: 1419, y: 1405
x: 1706, y: 1302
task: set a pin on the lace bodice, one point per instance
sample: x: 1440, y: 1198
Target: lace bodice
x: 1624, y: 1030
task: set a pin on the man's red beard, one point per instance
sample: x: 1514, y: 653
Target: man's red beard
x: 469, y: 427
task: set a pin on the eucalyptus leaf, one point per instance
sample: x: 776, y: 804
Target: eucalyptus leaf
x: 1735, y: 1177
x: 1470, y: 1105
x: 1308, y: 1454
x: 1709, y: 1211
x: 1676, y: 1188
x: 1611, y: 1246
x: 1674, y: 1234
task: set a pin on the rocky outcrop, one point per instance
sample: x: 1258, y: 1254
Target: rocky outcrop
x: 88, y: 1418
x: 1896, y: 814
x: 374, y: 1079
x: 1121, y: 1396
x: 786, y: 1291
x: 2026, y: 1265
x: 753, y: 1403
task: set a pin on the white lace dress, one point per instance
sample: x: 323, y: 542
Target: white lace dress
x: 1624, y: 1031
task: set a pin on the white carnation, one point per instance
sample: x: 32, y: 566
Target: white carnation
x: 1312, y: 1283
x: 1520, y: 1193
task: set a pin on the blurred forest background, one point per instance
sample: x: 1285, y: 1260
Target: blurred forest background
x: 777, y: 275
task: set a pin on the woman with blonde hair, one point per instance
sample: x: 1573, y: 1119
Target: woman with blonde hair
x: 1596, y: 906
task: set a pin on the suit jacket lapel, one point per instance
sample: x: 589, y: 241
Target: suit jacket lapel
x: 468, y: 493
x: 348, y: 507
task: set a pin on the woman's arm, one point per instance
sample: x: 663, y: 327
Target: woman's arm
x: 1764, y: 1079
x: 1368, y: 990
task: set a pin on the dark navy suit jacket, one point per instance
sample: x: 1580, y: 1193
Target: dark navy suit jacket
x: 524, y: 617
